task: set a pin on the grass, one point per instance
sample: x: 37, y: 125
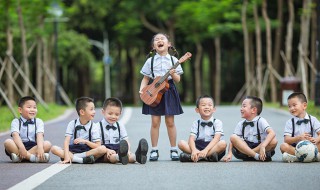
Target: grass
x: 312, y: 109
x: 6, y: 116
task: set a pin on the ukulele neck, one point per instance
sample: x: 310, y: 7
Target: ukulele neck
x: 168, y: 73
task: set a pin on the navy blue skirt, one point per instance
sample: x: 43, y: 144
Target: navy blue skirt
x: 169, y: 105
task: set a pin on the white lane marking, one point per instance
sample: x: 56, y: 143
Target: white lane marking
x: 40, y: 177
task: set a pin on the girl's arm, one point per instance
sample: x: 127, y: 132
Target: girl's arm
x: 174, y: 75
x: 144, y: 83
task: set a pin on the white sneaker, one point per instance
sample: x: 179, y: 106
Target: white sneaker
x: 15, y: 158
x: 45, y: 160
x: 289, y: 158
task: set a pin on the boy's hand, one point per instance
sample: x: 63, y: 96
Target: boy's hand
x: 227, y: 158
x: 304, y: 136
x: 79, y: 140
x: 110, y: 153
x: 195, y: 155
x: 262, y: 153
x: 203, y: 153
x: 40, y: 154
x: 23, y: 153
x: 313, y: 140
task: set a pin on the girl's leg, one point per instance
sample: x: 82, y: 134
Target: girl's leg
x: 172, y: 131
x: 154, y: 132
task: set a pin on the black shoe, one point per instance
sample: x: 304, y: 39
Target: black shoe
x: 185, y: 157
x: 213, y: 157
x: 141, y: 152
x: 123, y: 152
x: 88, y: 159
x: 154, y: 158
x: 269, y: 154
x: 174, y: 157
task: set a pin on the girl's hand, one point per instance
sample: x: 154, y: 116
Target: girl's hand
x: 172, y: 71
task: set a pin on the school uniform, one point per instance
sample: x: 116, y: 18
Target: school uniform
x: 76, y: 130
x: 112, y: 134
x: 253, y: 133
x: 28, y: 130
x: 170, y: 103
x: 296, y: 126
x: 205, y: 130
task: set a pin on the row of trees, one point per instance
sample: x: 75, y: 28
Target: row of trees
x: 239, y: 47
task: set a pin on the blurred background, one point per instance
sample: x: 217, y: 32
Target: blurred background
x: 58, y: 50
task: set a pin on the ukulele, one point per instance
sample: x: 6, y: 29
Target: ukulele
x: 152, y: 93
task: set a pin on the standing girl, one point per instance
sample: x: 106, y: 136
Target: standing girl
x: 158, y: 65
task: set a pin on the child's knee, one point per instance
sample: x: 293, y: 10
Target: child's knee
x: 234, y: 138
x: 55, y: 149
x: 47, y: 145
x: 182, y: 144
x: 8, y: 142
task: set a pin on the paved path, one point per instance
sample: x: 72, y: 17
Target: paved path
x: 163, y: 174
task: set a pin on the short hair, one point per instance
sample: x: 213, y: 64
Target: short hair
x: 298, y: 95
x: 203, y: 96
x: 81, y: 103
x: 112, y: 102
x: 23, y: 100
x: 256, y: 102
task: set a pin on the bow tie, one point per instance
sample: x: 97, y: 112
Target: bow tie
x: 245, y: 123
x: 209, y: 124
x: 79, y: 127
x: 305, y: 121
x: 28, y: 122
x: 111, y: 127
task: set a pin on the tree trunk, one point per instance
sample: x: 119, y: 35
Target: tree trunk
x: 24, y: 48
x: 134, y: 86
x: 197, y: 64
x: 258, y: 52
x: 39, y: 62
x: 246, y: 46
x: 303, y: 44
x: 313, y: 50
x: 217, y: 85
x: 269, y: 54
x: 289, y: 37
x: 7, y: 62
x: 278, y: 37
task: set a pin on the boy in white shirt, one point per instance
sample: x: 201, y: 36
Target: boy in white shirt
x: 206, y: 137
x: 27, y: 133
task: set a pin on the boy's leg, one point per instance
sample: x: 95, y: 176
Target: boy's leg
x: 217, y: 152
x: 97, y: 152
x: 11, y: 150
x: 184, y: 146
x: 242, y: 146
x: 172, y: 134
x: 285, y: 147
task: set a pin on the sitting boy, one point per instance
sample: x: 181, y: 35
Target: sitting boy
x: 205, y: 140
x: 27, y: 133
x: 253, y: 138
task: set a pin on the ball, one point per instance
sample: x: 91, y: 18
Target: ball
x: 306, y: 151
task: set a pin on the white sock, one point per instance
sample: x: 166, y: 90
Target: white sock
x: 257, y: 156
x: 33, y: 158
x: 174, y: 148
x: 117, y: 157
x: 77, y: 159
x: 154, y: 148
x: 80, y: 155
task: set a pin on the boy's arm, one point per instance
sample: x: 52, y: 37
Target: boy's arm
x: 194, y: 150
x: 270, y: 135
x: 212, y: 143
x: 290, y: 140
x: 66, y: 150
x: 40, y: 151
x: 228, y: 157
x: 17, y: 140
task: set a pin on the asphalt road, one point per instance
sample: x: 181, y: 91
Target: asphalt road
x: 164, y: 174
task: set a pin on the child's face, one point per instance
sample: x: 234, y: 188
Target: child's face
x: 89, y: 112
x: 111, y: 114
x: 246, y: 110
x: 296, y: 107
x: 206, y: 108
x: 161, y: 44
x: 28, y: 110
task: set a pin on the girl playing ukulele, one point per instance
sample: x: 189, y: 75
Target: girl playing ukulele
x: 158, y: 65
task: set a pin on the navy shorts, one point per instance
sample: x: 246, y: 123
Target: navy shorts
x: 114, y: 147
x: 28, y: 145
x: 79, y: 148
x: 200, y: 145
